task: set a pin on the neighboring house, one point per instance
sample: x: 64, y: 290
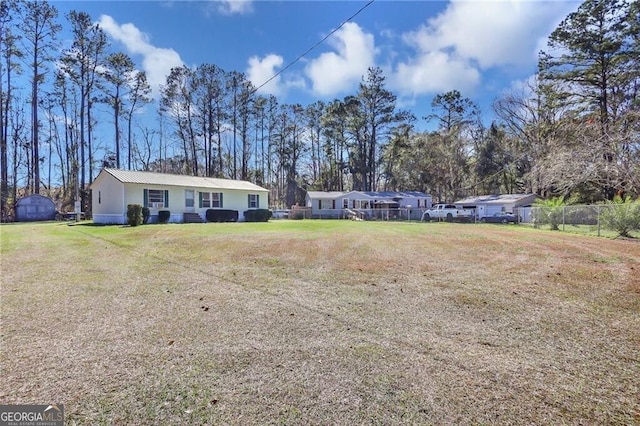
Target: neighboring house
x: 34, y: 208
x: 368, y: 203
x: 184, y: 196
x: 488, y: 205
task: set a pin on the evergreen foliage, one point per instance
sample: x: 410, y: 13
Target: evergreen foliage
x: 146, y: 213
x: 134, y: 214
x: 574, y: 130
x: 550, y: 212
x: 164, y: 216
x: 221, y: 215
x: 257, y: 215
x: 621, y: 215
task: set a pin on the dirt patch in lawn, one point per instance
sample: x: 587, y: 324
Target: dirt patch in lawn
x: 346, y: 323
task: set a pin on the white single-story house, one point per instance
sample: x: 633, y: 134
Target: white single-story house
x: 370, y: 203
x: 181, y: 195
x: 488, y: 205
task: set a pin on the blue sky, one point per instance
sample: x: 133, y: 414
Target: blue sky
x: 480, y: 48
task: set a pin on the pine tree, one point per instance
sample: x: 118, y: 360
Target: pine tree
x: 40, y: 35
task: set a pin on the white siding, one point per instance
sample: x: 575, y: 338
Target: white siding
x: 107, y: 200
x: 492, y: 209
x: 110, y: 198
x: 351, y: 197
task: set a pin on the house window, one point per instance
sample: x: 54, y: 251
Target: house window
x: 188, y: 198
x: 156, y: 198
x: 99, y: 197
x: 211, y: 200
x: 327, y: 204
x: 216, y: 200
x: 345, y: 203
x: 205, y: 200
x: 254, y: 201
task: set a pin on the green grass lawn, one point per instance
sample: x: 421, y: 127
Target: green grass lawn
x: 320, y: 322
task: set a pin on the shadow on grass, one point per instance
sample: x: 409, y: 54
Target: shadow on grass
x: 93, y: 224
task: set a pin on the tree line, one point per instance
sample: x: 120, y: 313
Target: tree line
x: 63, y: 92
x: 573, y: 130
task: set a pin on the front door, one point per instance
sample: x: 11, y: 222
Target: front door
x: 189, y: 201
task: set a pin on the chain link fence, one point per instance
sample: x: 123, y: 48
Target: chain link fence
x: 583, y: 219
x: 401, y: 214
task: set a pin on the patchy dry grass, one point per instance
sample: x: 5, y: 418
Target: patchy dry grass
x: 321, y: 322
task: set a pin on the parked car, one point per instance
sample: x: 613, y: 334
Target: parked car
x: 449, y: 213
x: 280, y: 213
x: 503, y: 217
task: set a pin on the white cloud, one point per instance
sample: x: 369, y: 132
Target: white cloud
x: 261, y: 70
x: 334, y: 72
x: 156, y: 61
x: 468, y: 37
x: 230, y: 7
x: 434, y: 72
x: 492, y: 33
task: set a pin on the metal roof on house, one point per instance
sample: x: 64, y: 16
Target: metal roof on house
x: 166, y: 179
x: 325, y: 195
x: 497, y: 199
x: 394, y: 194
x: 330, y: 195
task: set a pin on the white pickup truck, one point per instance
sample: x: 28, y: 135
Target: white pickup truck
x: 449, y: 213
